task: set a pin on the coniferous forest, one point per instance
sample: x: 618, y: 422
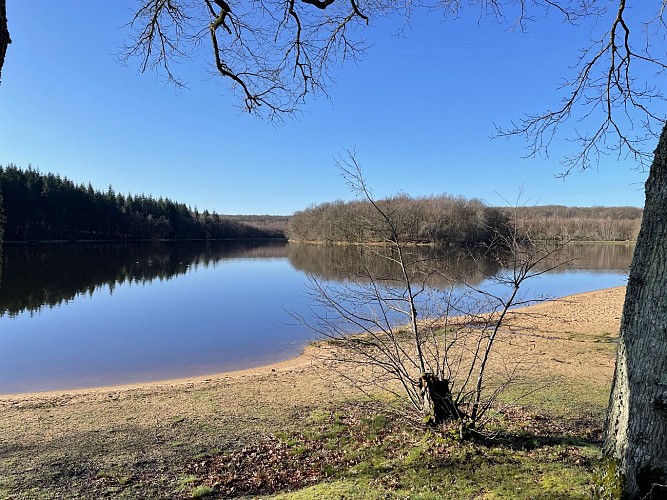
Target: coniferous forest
x: 38, y: 207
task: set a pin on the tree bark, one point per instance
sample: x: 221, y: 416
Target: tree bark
x: 4, y: 34
x: 438, y: 404
x: 636, y: 427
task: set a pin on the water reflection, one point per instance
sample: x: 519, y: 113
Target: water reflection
x: 335, y: 263
x: 50, y: 275
x: 603, y: 257
x: 34, y: 277
x: 98, y: 314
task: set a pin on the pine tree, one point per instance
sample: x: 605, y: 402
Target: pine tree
x: 2, y: 225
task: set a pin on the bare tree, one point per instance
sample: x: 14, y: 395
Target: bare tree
x: 436, y: 347
x: 273, y: 52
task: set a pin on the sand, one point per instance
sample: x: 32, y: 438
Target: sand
x: 561, y: 322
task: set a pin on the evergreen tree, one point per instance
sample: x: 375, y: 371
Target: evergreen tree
x: 2, y: 222
x: 50, y: 207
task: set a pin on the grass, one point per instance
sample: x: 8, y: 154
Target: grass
x: 359, y: 453
x: 201, y: 491
x: 345, y: 450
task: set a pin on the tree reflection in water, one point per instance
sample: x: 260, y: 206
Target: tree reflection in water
x: 49, y: 275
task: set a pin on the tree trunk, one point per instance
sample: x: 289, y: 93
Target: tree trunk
x: 636, y: 427
x: 438, y: 403
x: 4, y: 34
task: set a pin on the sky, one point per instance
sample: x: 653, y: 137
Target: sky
x: 420, y: 109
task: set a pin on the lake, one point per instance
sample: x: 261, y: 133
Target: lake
x: 93, y: 314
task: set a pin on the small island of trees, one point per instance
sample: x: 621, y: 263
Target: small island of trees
x: 457, y: 221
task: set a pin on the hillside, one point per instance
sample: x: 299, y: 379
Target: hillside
x: 40, y: 206
x: 457, y: 221
x: 265, y: 222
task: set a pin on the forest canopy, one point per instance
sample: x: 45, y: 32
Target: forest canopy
x: 457, y: 221
x: 40, y: 206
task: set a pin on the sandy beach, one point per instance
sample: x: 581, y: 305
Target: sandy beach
x: 568, y: 319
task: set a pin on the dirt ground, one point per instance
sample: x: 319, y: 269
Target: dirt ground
x: 575, y: 336
x: 88, y: 435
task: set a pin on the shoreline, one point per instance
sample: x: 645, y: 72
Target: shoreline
x: 300, y: 362
x: 138, y: 240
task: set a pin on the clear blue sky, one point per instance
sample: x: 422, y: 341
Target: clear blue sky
x: 420, y: 109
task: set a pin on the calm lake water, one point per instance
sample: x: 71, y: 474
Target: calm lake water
x: 84, y: 315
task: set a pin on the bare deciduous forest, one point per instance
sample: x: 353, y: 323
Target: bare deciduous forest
x: 458, y: 221
x: 581, y: 223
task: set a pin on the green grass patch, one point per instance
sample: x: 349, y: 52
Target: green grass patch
x: 560, y: 397
x: 362, y: 453
x: 458, y: 472
x: 201, y: 491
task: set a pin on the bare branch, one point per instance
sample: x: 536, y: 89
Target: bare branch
x: 606, y: 95
x: 161, y: 37
x: 320, y: 4
x: 273, y: 61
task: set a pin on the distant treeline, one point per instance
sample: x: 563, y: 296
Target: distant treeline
x: 556, y: 222
x: 276, y: 223
x: 41, y: 206
x: 443, y: 219
x: 457, y: 221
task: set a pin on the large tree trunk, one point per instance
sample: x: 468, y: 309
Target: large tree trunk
x: 636, y: 428
x: 4, y: 35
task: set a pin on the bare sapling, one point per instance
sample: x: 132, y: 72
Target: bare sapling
x: 410, y: 328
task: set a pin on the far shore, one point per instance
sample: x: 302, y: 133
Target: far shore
x: 140, y: 240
